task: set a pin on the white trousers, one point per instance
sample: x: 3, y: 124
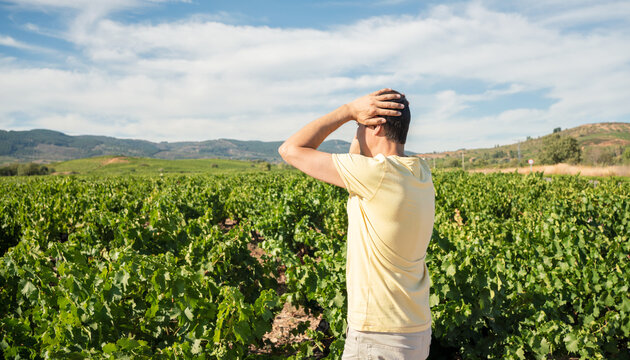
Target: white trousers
x: 386, y: 346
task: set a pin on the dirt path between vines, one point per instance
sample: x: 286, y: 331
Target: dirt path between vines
x: 290, y: 317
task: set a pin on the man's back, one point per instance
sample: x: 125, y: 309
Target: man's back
x: 390, y: 221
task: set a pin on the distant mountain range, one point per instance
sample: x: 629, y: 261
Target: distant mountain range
x: 601, y: 143
x: 47, y: 146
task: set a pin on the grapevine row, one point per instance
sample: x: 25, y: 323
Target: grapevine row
x: 521, y: 266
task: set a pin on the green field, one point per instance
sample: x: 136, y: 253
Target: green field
x: 164, y: 267
x: 115, y: 165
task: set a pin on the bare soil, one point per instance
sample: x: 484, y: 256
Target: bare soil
x: 613, y: 142
x: 290, y: 317
x: 114, y: 160
x: 565, y: 169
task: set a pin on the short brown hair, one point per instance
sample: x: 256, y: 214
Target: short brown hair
x: 396, y: 127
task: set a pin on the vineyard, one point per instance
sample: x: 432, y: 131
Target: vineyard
x: 522, y: 267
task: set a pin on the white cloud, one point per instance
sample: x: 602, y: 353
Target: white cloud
x: 11, y: 42
x: 569, y: 13
x: 591, y: 14
x: 200, y: 78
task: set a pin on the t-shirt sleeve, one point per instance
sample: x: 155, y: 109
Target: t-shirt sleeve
x: 362, y: 175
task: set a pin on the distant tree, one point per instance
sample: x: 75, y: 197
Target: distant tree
x: 33, y: 169
x: 9, y: 170
x: 607, y: 157
x: 626, y: 155
x: 528, y: 138
x: 454, y: 163
x: 557, y: 130
x: 481, y: 162
x: 598, y: 155
x: 499, y: 154
x: 557, y: 149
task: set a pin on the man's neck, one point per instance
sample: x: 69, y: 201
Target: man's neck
x: 387, y: 148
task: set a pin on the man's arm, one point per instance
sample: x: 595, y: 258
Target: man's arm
x: 300, y: 149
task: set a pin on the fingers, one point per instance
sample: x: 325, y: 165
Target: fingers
x: 388, y: 97
x: 379, y: 92
x: 389, y: 105
x: 387, y: 112
x: 374, y: 121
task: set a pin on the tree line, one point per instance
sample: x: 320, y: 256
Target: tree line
x: 28, y: 169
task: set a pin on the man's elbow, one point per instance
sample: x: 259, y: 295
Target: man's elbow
x: 289, y: 153
x: 283, y: 150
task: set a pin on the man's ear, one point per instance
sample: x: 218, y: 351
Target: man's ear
x: 379, y: 130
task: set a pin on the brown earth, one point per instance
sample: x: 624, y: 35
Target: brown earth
x: 114, y: 160
x: 613, y: 142
x: 289, y: 317
x: 565, y: 169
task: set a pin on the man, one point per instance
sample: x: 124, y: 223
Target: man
x: 390, y: 221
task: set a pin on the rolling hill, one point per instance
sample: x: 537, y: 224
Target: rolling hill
x: 601, y: 144
x: 47, y: 146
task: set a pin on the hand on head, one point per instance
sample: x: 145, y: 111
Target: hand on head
x: 369, y: 109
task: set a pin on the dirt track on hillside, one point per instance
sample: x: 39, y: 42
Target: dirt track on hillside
x: 118, y: 159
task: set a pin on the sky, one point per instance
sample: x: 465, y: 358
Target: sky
x: 477, y: 73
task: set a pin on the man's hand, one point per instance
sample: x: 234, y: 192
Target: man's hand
x: 367, y: 109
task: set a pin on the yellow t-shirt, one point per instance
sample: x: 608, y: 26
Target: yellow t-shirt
x: 390, y: 221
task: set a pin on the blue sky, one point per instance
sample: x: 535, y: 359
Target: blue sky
x: 477, y: 73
